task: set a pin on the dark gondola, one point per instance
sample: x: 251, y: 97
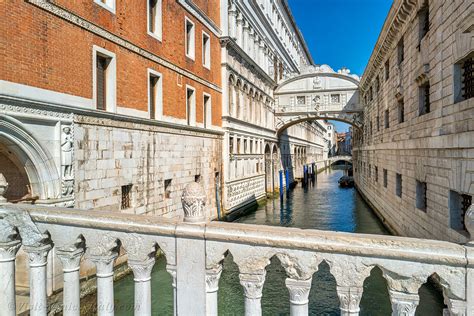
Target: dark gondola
x: 346, y: 182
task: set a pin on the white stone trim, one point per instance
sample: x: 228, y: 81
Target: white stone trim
x: 206, y: 51
x: 158, y: 35
x: 18, y: 90
x: 109, y: 5
x: 192, y: 107
x: 192, y: 45
x: 132, y: 112
x: 111, y: 77
x: 159, y: 93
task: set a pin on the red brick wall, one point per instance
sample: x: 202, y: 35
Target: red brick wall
x: 42, y: 50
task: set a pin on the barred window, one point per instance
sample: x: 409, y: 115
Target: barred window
x: 424, y: 99
x: 401, y: 51
x: 467, y: 78
x: 126, y: 196
x: 167, y: 188
x: 421, y: 200
x: 458, y: 205
x: 300, y: 100
x: 385, y: 178
x: 376, y: 174
x: 401, y: 111
x: 398, y: 185
x: 424, y: 20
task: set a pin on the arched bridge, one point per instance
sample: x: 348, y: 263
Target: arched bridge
x: 340, y: 158
x: 318, y: 93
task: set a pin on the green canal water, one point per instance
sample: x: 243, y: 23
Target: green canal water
x: 323, y: 206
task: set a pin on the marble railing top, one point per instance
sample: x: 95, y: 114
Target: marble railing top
x: 363, y: 245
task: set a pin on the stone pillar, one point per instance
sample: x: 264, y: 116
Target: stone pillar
x: 349, y: 298
x: 253, y: 286
x: 232, y: 20
x: 299, y: 293
x: 403, y: 303
x: 240, y: 29
x: 212, y: 285
x: 245, y: 37
x: 37, y: 258
x: 105, y: 282
x: 71, y: 261
x: 469, y: 221
x: 172, y: 271
x: 8, y: 250
x: 142, y: 278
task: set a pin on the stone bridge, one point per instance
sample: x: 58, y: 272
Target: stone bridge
x: 318, y: 93
x: 340, y: 158
x: 87, y: 240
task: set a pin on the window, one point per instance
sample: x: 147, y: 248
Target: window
x: 197, y: 178
x: 107, y: 4
x: 421, y: 195
x: 189, y: 29
x: 424, y: 20
x: 458, y: 206
x: 238, y: 146
x: 335, y: 98
x: 206, y: 50
x: 126, y: 196
x: 155, y: 96
x: 424, y: 98
x: 167, y: 188
x: 207, y: 111
x: 300, y: 100
x: 398, y: 185
x: 370, y: 170
x: 378, y: 123
x: 190, y: 106
x: 104, y: 79
x: 155, y: 18
x: 385, y: 180
x: 387, y: 117
x: 464, y: 79
x: 377, y: 85
x: 387, y: 70
x: 401, y: 51
x: 231, y: 145
x: 376, y: 171
x: 401, y: 111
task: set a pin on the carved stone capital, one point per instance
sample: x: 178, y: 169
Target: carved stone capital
x: 212, y: 279
x: 172, y: 270
x: 194, y: 203
x: 104, y: 264
x: 252, y: 284
x: 349, y: 298
x: 70, y: 258
x: 8, y: 250
x: 403, y: 304
x: 299, y: 290
x: 141, y: 269
x: 38, y: 255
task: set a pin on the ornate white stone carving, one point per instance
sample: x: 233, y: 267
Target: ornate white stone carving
x: 194, y: 202
x: 299, y: 290
x: 403, y: 304
x: 38, y: 255
x: 70, y: 258
x: 252, y: 284
x: 3, y: 188
x: 349, y: 298
x: 30, y: 234
x: 212, y: 278
x: 141, y: 269
x: 8, y: 250
x: 104, y: 264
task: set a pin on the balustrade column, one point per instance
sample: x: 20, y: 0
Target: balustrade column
x: 8, y: 251
x: 212, y: 286
x: 403, y: 303
x: 38, y: 258
x: 253, y: 286
x: 142, y: 278
x: 105, y: 282
x: 349, y: 299
x: 299, y: 293
x: 71, y: 261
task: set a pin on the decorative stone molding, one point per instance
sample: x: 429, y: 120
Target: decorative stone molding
x: 141, y: 269
x: 3, y: 188
x: 212, y: 278
x: 104, y: 264
x: 299, y: 268
x: 30, y: 234
x: 70, y: 258
x: 299, y: 290
x: 194, y: 202
x: 349, y: 298
x: 403, y: 304
x: 252, y: 284
x: 38, y: 255
x: 137, y: 248
x: 8, y: 250
x: 33, y: 111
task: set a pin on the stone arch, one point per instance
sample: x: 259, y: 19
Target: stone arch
x: 29, y: 154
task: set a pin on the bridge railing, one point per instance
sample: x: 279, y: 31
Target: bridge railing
x: 195, y: 250
x: 303, y: 108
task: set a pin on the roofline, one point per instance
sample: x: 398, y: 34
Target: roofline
x: 298, y: 31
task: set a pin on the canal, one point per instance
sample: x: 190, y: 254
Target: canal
x: 323, y: 206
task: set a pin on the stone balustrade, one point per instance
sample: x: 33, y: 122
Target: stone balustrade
x: 195, y: 251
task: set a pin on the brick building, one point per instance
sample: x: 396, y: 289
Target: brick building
x: 110, y: 104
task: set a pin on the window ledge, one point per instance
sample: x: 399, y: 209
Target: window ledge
x: 155, y: 36
x: 105, y: 6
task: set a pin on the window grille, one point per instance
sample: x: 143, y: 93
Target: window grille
x: 126, y: 196
x: 468, y: 78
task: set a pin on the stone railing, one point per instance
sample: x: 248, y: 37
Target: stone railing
x: 195, y: 250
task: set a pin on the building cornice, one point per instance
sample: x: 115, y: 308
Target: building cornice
x: 99, y: 31
x: 398, y: 15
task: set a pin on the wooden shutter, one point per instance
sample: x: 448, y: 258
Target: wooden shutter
x: 101, y: 83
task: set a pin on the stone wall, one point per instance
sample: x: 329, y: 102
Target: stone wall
x: 435, y: 149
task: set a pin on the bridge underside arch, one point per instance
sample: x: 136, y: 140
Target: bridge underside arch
x: 285, y: 122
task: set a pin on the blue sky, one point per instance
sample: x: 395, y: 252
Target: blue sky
x: 341, y: 33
